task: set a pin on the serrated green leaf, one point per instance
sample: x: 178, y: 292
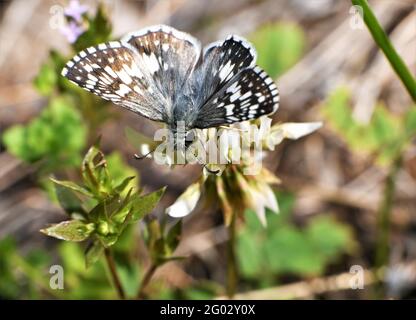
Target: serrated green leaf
x: 143, y: 205
x: 105, y: 208
x: 68, y: 200
x: 73, y: 186
x: 118, y: 171
x: 71, y: 230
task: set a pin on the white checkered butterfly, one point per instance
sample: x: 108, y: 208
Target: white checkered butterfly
x: 161, y: 74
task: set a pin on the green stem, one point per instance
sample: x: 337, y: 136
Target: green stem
x: 385, y: 45
x: 113, y: 271
x: 146, y: 280
x: 383, y: 223
x: 232, y: 272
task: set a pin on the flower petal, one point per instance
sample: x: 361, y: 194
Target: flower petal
x: 186, y: 202
x: 258, y: 205
x: 270, y: 200
x: 293, y: 130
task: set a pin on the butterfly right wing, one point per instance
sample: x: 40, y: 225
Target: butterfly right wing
x: 111, y: 71
x: 234, y: 89
x: 250, y: 94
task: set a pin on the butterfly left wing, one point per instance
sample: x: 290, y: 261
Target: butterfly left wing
x: 144, y: 72
x: 249, y: 94
x: 111, y: 71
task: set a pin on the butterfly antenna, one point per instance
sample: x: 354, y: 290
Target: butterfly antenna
x: 145, y: 155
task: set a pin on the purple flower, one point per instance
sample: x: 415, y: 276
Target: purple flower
x: 72, y: 31
x: 75, y: 10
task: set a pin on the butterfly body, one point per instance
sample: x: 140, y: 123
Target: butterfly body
x: 164, y: 75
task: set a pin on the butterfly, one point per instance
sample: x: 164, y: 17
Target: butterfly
x: 164, y: 75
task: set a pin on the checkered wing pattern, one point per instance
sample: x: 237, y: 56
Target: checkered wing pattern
x: 235, y: 88
x: 143, y: 72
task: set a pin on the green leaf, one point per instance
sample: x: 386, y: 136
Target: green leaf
x: 284, y: 248
x: 73, y: 186
x: 46, y: 79
x: 105, y: 208
x: 337, y: 237
x: 56, y: 136
x: 384, y: 126
x: 71, y: 230
x: 93, y: 253
x: 249, y: 255
x: 290, y: 251
x: 68, y: 200
x: 384, y: 135
x: 119, y: 171
x: 145, y: 204
x: 94, y: 172
x: 410, y: 121
x: 173, y: 237
x: 337, y: 110
x: 279, y: 46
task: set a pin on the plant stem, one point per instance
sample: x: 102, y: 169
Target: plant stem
x: 383, y: 223
x: 146, y: 280
x: 385, y: 45
x: 113, y: 271
x: 232, y: 273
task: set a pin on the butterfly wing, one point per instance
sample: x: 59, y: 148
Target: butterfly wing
x: 140, y: 73
x: 234, y: 89
x: 169, y: 54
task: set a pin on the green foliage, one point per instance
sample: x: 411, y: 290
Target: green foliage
x: 385, y: 135
x: 118, y: 171
x: 162, y: 242
x: 283, y: 248
x: 27, y: 276
x: 22, y: 277
x: 49, y: 80
x: 279, y: 46
x: 46, y: 80
x: 102, y: 206
x: 56, y: 136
